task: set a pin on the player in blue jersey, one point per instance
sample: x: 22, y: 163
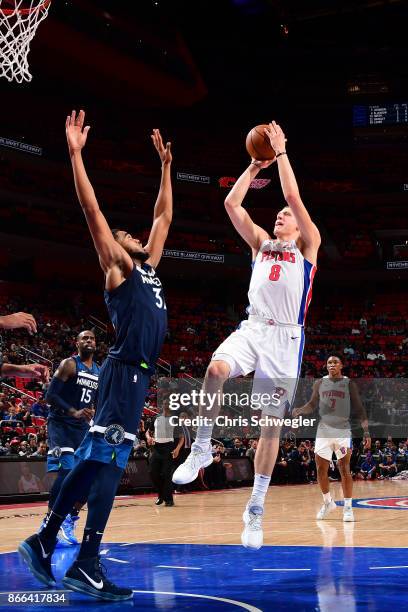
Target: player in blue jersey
x: 135, y: 301
x: 71, y: 396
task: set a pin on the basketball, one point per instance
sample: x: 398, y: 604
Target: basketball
x: 258, y: 145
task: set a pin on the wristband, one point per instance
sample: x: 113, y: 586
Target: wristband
x: 281, y: 153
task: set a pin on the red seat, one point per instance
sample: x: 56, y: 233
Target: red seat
x: 38, y: 421
x: 31, y: 430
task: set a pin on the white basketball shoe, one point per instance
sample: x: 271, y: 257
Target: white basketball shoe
x: 348, y: 515
x: 252, y: 535
x: 188, y: 471
x: 325, y: 510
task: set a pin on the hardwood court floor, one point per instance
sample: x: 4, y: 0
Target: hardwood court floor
x: 216, y: 518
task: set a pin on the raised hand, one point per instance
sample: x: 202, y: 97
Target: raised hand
x: 75, y: 131
x: 163, y: 151
x: 276, y: 137
x: 262, y: 164
x: 19, y: 320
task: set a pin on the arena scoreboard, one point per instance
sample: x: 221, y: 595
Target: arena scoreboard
x: 377, y: 114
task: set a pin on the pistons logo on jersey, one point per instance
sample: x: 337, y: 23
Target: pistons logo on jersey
x: 282, y: 253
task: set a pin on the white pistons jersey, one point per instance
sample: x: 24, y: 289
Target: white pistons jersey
x: 334, y: 403
x: 281, y: 283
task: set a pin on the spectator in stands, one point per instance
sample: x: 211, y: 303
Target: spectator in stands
x: 238, y: 450
x: 23, y: 414
x: 280, y: 473
x: 23, y: 450
x: 355, y: 459
x: 29, y: 482
x: 140, y: 449
x: 41, y: 451
x: 371, y: 356
x: 388, y: 467
x: 14, y: 447
x: 368, y: 467
x: 250, y: 453
x: 378, y: 453
x: 215, y: 474
x: 402, y: 457
x: 32, y: 445
x: 40, y: 408
x: 10, y: 415
x: 42, y: 434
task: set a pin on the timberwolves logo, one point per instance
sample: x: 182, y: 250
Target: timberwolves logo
x: 114, y: 435
x: 380, y: 503
x: 56, y: 452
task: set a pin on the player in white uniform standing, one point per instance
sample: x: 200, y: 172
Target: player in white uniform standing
x: 335, y: 395
x: 270, y: 343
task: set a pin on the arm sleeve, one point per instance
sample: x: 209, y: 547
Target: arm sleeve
x: 54, y: 398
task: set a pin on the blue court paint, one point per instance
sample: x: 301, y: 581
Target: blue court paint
x: 380, y: 503
x: 336, y: 578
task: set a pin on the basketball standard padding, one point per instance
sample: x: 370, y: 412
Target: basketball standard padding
x: 258, y: 145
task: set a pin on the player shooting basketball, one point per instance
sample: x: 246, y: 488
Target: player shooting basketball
x: 133, y: 295
x: 270, y: 343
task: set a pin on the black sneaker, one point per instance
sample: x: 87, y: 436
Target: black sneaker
x: 159, y: 501
x: 169, y: 502
x: 89, y: 576
x: 38, y: 560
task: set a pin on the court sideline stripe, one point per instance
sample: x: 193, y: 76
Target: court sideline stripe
x: 281, y: 569
x: 179, y: 567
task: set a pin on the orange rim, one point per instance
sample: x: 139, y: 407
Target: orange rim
x: 26, y: 11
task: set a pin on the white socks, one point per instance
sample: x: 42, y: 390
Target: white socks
x: 347, y: 502
x: 260, y: 489
x: 327, y: 497
x: 203, y: 437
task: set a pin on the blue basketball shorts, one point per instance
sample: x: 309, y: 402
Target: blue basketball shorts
x: 63, y: 440
x: 122, y: 390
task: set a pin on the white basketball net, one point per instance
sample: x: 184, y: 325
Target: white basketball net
x: 18, y: 25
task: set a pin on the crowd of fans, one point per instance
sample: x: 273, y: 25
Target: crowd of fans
x: 374, y: 345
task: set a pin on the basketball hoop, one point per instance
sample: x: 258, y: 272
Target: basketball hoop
x: 19, y: 20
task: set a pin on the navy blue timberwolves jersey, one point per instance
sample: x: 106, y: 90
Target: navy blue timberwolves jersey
x: 79, y: 392
x: 138, y: 313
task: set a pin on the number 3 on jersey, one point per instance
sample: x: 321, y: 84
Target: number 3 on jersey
x: 159, y: 300
x: 275, y: 272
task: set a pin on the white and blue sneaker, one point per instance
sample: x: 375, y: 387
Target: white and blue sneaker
x: 66, y: 534
x: 252, y: 535
x: 325, y: 510
x: 188, y: 471
x: 348, y: 515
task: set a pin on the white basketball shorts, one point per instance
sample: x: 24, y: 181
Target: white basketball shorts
x: 273, y: 352
x: 326, y: 444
